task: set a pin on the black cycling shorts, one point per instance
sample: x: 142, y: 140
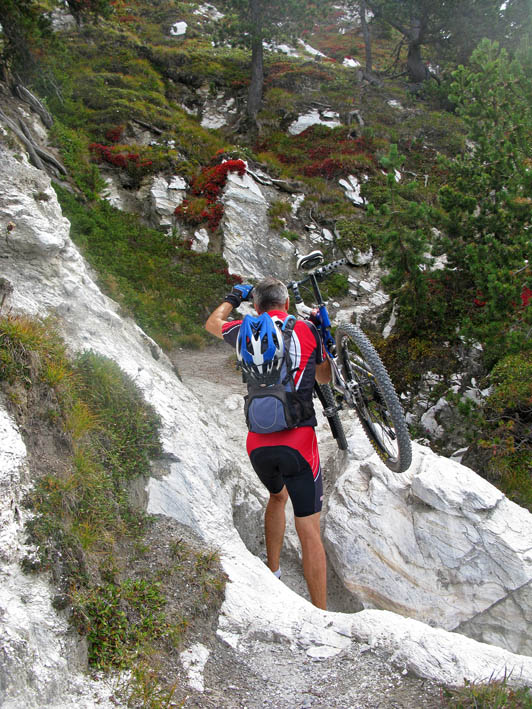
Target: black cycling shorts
x: 289, y: 458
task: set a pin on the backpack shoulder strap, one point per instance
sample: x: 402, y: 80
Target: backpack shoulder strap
x: 288, y: 328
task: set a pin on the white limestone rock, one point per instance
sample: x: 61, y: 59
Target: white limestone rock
x: 447, y: 658
x: 311, y: 50
x: 282, y: 48
x: 41, y: 662
x: 437, y: 543
x: 178, y: 29
x: 112, y: 193
x: 200, y: 243
x: 352, y: 187
x: 62, y: 19
x: 250, y: 249
x: 312, y: 118
x: 218, y: 111
x: 194, y: 659
x: 209, y: 11
x: 165, y: 197
x: 351, y: 63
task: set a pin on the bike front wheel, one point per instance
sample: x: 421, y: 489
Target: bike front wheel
x: 373, y: 396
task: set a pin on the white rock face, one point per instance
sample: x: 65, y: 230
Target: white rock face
x: 283, y: 48
x: 206, y: 480
x: 194, y: 659
x: 208, y: 10
x: 352, y: 189
x: 393, y: 103
x: 40, y: 662
x: 311, y: 50
x: 62, y: 19
x: 217, y: 111
x: 178, y: 29
x: 351, y: 63
x: 201, y: 240
x: 438, y: 544
x: 249, y: 248
x: 312, y: 118
x: 112, y: 194
x: 165, y: 197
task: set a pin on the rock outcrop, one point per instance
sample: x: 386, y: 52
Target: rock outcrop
x: 248, y: 246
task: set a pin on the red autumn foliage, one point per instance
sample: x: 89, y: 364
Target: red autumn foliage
x: 114, y: 134
x: 526, y: 296
x: 117, y: 156
x: 328, y: 168
x: 206, y: 187
x: 318, y: 150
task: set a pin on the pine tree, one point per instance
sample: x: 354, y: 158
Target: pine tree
x: 487, y: 204
x: 250, y: 23
x: 451, y: 27
x: 402, y: 234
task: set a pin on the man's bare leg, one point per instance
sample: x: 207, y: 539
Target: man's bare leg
x: 314, y: 560
x: 274, y: 526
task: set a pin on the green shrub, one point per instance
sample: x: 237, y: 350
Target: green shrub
x: 119, y: 619
x: 73, y: 145
x: 278, y: 211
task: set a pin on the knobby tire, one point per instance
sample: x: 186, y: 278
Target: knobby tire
x: 375, y: 400
x: 326, y: 397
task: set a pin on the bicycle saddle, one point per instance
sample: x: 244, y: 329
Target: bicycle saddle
x: 306, y: 263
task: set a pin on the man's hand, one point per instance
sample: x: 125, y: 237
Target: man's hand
x: 238, y: 294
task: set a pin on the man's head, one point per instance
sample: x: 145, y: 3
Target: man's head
x: 270, y: 294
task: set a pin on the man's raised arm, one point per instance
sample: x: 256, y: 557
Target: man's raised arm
x: 218, y: 317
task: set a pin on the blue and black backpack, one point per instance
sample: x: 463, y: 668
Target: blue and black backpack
x: 263, y: 350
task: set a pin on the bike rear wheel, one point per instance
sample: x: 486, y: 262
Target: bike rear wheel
x: 373, y: 397
x: 326, y: 397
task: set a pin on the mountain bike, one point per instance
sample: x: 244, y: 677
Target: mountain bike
x: 360, y: 381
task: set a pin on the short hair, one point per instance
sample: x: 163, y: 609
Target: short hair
x: 269, y: 294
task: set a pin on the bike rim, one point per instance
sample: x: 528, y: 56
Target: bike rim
x: 371, y: 406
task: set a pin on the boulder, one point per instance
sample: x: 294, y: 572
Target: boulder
x: 312, y: 118
x: 165, y: 197
x: 438, y: 543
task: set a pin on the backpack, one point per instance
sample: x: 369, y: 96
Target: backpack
x: 272, y: 403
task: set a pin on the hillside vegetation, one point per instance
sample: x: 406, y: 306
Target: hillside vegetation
x: 453, y: 232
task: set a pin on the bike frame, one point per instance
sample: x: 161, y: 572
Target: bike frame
x: 323, y: 323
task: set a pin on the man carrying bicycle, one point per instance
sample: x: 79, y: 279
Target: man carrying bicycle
x: 287, y: 461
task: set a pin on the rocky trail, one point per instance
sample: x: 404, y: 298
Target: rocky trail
x: 279, y: 675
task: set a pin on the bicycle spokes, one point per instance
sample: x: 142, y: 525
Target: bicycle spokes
x: 368, y: 399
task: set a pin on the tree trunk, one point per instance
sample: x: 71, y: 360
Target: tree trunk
x: 257, y: 66
x: 417, y: 70
x: 367, y: 38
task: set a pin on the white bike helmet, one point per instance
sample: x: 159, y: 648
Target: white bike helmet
x: 260, y: 349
